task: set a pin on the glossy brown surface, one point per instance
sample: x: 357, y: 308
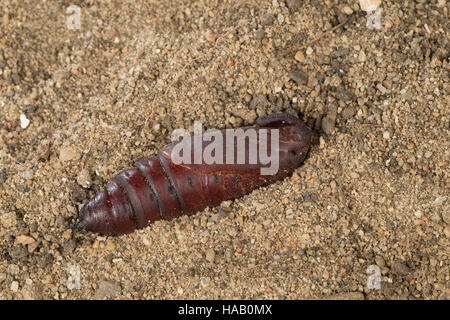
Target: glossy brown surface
x: 157, y: 188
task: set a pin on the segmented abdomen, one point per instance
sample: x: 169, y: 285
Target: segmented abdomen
x: 135, y: 198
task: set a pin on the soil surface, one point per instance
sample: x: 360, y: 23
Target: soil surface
x: 365, y: 217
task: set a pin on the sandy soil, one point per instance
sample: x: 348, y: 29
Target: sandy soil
x: 366, y: 217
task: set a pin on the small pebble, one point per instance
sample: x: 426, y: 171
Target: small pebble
x: 299, y: 56
x: 210, y: 37
x: 43, y: 150
x: 298, y: 76
x: 294, y: 5
x: 67, y: 153
x: 27, y: 174
x: 267, y: 19
x: 369, y: 5
x: 5, y: 19
x: 146, y: 241
x: 382, y: 89
x: 433, y: 262
x: 232, y: 231
x: 107, y: 289
x: 342, y: 17
x: 400, y: 268
x: 110, y: 245
x: 23, y: 239
x: 13, y: 269
x: 280, y: 18
x: 14, y: 286
x: 24, y: 121
x: 380, y: 261
x: 447, y: 231
x: 259, y: 34
x: 347, y: 10
x: 210, y: 255
x: 362, y: 56
x: 8, y: 220
x: 327, y: 125
x: 84, y: 178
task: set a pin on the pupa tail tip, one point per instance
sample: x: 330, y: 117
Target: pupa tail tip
x: 77, y: 226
